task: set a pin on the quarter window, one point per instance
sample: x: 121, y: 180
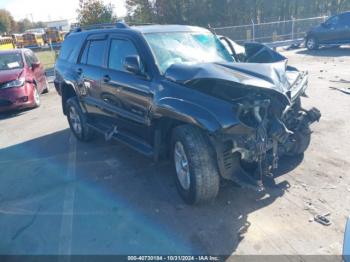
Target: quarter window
x: 118, y: 51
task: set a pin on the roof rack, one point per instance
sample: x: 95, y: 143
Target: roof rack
x: 119, y: 24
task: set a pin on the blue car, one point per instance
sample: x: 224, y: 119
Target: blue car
x: 334, y: 32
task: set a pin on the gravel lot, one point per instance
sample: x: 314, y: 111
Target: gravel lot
x: 59, y: 196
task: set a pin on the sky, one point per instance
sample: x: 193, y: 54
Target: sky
x: 49, y: 10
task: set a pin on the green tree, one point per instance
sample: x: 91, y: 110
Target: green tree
x: 229, y: 12
x: 6, y: 21
x: 140, y: 11
x: 95, y: 12
x: 23, y: 25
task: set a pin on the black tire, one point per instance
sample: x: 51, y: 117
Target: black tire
x: 311, y: 43
x: 86, y: 134
x: 202, y: 165
x: 302, y: 140
x: 46, y: 88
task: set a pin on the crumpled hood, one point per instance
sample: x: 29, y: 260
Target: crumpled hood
x: 273, y: 76
x: 9, y: 75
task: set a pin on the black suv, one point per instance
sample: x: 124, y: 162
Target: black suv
x: 335, y: 32
x: 175, y: 91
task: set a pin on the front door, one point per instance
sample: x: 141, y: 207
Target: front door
x: 37, y: 69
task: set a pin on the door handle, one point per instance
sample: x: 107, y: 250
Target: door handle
x: 106, y: 78
x: 79, y: 71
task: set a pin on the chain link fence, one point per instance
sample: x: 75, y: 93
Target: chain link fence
x: 294, y: 29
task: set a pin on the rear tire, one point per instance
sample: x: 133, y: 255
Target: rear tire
x: 196, y: 171
x: 311, y: 43
x: 77, y: 121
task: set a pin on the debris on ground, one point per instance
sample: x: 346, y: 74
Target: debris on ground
x: 329, y: 187
x: 322, y: 201
x: 323, y: 219
x: 344, y: 90
x: 342, y: 81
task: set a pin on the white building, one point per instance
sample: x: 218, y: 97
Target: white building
x: 62, y: 25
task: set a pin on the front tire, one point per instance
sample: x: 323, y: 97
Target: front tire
x: 77, y: 121
x: 311, y: 43
x: 36, y: 97
x: 196, y: 171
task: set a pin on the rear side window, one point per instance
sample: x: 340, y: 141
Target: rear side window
x: 93, y: 53
x: 71, y: 48
x: 333, y: 21
x: 118, y: 51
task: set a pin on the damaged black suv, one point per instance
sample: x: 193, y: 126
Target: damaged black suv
x: 177, y: 92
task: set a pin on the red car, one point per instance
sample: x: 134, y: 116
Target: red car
x: 22, y: 80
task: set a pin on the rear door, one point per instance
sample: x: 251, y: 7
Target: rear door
x: 127, y: 96
x: 91, y: 69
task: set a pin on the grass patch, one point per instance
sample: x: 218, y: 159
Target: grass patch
x: 47, y: 58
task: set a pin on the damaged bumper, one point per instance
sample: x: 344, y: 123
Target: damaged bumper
x: 260, y: 148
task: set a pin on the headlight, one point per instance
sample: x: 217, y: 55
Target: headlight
x: 14, y: 83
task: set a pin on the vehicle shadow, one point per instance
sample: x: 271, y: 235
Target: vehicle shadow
x: 327, y: 52
x: 124, y: 203
x: 13, y: 113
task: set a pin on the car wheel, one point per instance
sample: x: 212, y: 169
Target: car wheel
x: 77, y: 121
x: 196, y: 172
x: 36, y: 97
x: 311, y: 43
x: 46, y: 87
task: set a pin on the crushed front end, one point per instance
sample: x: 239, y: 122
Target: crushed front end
x: 267, y: 130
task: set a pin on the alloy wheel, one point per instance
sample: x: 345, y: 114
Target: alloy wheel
x: 182, y: 166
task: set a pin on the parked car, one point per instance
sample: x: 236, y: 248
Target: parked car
x: 22, y: 80
x: 334, y: 32
x: 175, y: 92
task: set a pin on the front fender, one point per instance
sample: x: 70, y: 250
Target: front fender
x: 188, y: 112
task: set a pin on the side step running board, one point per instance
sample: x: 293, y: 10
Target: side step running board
x: 131, y: 141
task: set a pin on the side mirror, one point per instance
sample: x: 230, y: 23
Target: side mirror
x: 35, y: 65
x: 132, y: 64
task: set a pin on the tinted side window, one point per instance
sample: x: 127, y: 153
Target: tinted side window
x: 118, y: 51
x: 95, y: 53
x: 30, y: 58
x: 71, y: 48
x: 333, y: 21
x: 84, y: 56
